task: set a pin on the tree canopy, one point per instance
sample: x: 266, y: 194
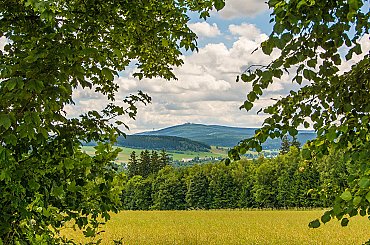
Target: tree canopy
x: 314, y: 38
x: 53, y: 48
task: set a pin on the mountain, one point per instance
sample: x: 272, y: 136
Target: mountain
x: 222, y: 135
x: 158, y: 142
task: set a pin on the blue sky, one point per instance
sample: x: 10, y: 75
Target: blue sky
x: 206, y: 91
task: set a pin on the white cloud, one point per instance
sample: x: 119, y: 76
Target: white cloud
x: 205, y: 92
x: 365, y: 46
x: 203, y: 29
x: 243, y: 8
x: 249, y: 31
x: 3, y: 42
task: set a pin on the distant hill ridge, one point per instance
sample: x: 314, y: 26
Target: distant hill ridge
x: 158, y: 142
x: 219, y: 135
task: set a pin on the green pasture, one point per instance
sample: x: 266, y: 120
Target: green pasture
x: 227, y: 227
x: 124, y: 155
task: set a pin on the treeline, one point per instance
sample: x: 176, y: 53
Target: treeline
x: 283, y: 182
x: 147, y: 163
x: 156, y: 142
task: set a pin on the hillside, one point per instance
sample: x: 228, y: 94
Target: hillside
x: 155, y: 142
x: 221, y: 135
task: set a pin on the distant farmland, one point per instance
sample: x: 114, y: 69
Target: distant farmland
x: 224, y: 227
x: 176, y: 155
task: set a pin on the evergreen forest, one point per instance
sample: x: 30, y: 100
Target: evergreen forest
x: 287, y: 181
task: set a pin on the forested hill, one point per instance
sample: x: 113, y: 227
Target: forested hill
x: 221, y: 135
x: 155, y: 142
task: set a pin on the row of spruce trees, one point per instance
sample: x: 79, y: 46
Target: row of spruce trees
x: 286, y: 181
x: 147, y: 163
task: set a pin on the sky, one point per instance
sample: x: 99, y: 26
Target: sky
x: 206, y: 91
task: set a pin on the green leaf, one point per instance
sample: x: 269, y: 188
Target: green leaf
x: 312, y: 63
x: 266, y: 47
x: 33, y: 184
x: 5, y: 121
x: 353, y: 8
x: 11, y: 83
x: 293, y: 132
x: 165, y: 42
x: 326, y: 217
x: 307, y: 74
x: 227, y: 161
x: 5, y: 174
x: 68, y: 163
x: 252, y: 96
x: 364, y: 183
x: 257, y: 89
x: 301, y: 4
x: 331, y: 135
x: 219, y: 4
x: 353, y: 4
x: 89, y: 232
x: 248, y: 78
x: 336, y: 59
x: 248, y: 105
x: 107, y: 73
x: 346, y: 196
x: 357, y: 49
x: 299, y: 79
x: 357, y: 200
x: 306, y: 153
x: 11, y: 139
x: 287, y: 37
x: 314, y: 224
x: 368, y: 196
x: 138, y: 75
x: 344, y: 222
x: 278, y: 28
x: 57, y: 191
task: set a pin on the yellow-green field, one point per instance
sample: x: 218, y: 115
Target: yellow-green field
x: 225, y: 227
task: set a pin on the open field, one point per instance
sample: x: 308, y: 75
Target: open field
x: 224, y: 227
x: 176, y: 155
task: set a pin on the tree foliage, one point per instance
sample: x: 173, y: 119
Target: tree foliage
x: 287, y: 181
x: 314, y: 38
x: 158, y: 142
x: 53, y: 48
x: 286, y: 144
x: 148, y: 163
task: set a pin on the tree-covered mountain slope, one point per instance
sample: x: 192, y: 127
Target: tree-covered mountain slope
x: 221, y: 135
x: 155, y: 142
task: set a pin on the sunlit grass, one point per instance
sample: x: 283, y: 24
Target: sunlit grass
x: 228, y: 227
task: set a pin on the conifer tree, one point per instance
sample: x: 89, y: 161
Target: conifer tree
x: 154, y: 162
x: 164, y: 159
x: 144, y: 164
x: 285, y: 145
x: 296, y: 143
x: 132, y: 165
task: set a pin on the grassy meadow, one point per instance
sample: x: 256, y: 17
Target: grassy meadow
x: 224, y: 227
x: 124, y: 155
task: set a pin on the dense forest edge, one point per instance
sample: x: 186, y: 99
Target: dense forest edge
x: 287, y: 181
